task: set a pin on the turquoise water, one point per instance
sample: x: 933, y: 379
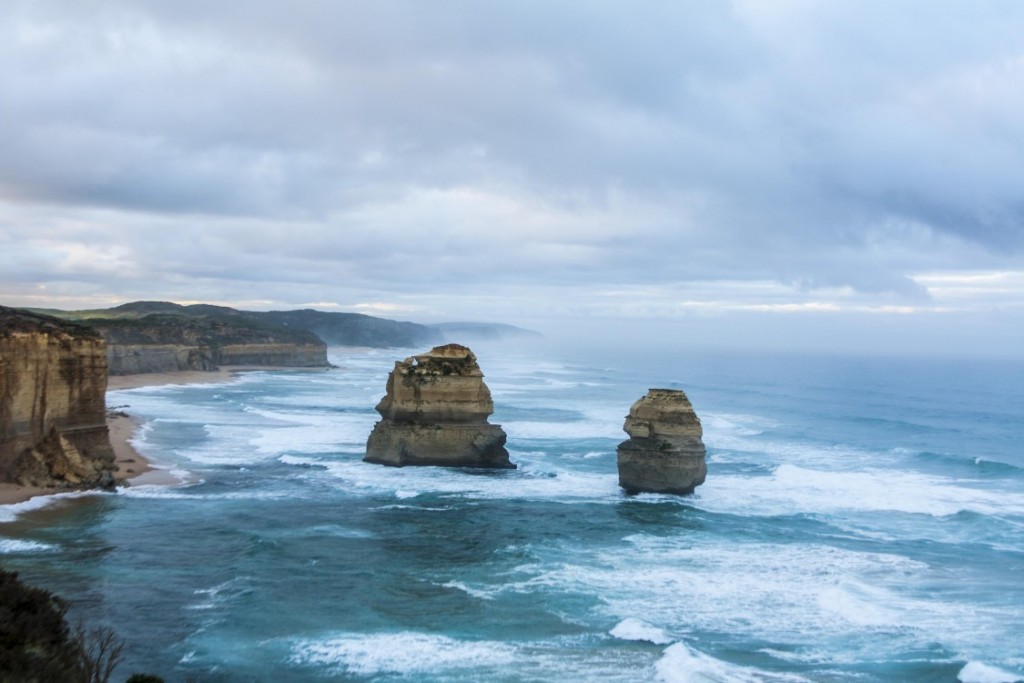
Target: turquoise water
x: 863, y: 520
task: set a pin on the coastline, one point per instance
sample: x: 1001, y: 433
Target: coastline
x: 223, y: 374
x: 132, y: 466
x: 156, y: 379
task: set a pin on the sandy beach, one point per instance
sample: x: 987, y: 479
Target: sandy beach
x: 155, y: 379
x: 131, y: 465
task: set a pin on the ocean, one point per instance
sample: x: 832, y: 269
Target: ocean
x: 862, y: 520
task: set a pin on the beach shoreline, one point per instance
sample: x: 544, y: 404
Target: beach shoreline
x: 132, y: 466
x: 157, y: 379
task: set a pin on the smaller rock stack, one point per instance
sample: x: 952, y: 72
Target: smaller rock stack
x: 665, y: 452
x: 435, y: 413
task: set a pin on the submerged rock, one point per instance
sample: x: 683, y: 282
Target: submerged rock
x: 435, y: 413
x: 665, y: 452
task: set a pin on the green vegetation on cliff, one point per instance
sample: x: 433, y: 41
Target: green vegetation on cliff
x: 21, y: 320
x: 352, y: 329
x: 161, y: 336
x: 213, y: 331
x: 163, y: 322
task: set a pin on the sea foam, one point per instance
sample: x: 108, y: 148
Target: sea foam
x: 791, y: 488
x: 531, y: 481
x: 10, y: 512
x: 977, y: 672
x: 635, y: 629
x: 15, y: 545
x: 407, y: 653
x: 684, y: 664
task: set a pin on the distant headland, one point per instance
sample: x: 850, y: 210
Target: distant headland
x: 159, y: 336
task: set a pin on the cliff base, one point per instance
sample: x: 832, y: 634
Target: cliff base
x: 435, y: 413
x: 450, y: 445
x: 665, y: 452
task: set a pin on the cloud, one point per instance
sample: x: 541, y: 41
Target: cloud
x: 380, y: 153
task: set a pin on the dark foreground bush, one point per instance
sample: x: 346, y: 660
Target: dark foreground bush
x: 38, y: 646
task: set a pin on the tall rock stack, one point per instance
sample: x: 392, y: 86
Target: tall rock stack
x: 665, y: 451
x: 435, y: 413
x: 53, y: 382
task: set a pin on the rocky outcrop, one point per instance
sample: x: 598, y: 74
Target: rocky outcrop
x: 137, y: 359
x: 163, y: 342
x: 665, y: 451
x: 53, y: 381
x: 283, y: 354
x: 435, y: 413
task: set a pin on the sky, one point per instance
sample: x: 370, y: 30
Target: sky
x: 790, y: 174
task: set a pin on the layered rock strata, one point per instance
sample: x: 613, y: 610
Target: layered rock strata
x: 53, y: 382
x: 168, y: 343
x: 665, y: 451
x: 137, y: 359
x: 435, y: 413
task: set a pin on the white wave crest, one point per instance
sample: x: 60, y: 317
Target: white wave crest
x: 10, y: 512
x: 15, y: 545
x: 977, y: 672
x: 636, y: 629
x: 406, y: 653
x: 684, y: 664
x: 533, y: 480
x: 468, y: 590
x: 792, y: 489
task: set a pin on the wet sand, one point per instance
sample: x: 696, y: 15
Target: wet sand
x: 155, y: 379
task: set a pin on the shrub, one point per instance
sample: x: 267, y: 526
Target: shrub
x: 37, y: 646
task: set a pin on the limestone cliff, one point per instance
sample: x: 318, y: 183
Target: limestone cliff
x: 168, y: 342
x: 665, y: 452
x: 53, y: 381
x: 435, y: 413
x: 137, y: 359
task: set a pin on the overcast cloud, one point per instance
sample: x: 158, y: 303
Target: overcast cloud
x: 781, y: 167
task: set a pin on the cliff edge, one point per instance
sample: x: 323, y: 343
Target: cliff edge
x: 167, y: 342
x: 53, y: 381
x: 435, y: 413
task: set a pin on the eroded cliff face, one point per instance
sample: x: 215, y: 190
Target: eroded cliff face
x: 665, y: 452
x: 284, y: 354
x: 435, y: 413
x: 135, y: 359
x: 53, y: 381
x: 168, y: 343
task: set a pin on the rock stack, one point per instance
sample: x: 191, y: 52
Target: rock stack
x: 435, y: 413
x: 664, y: 452
x: 53, y: 382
